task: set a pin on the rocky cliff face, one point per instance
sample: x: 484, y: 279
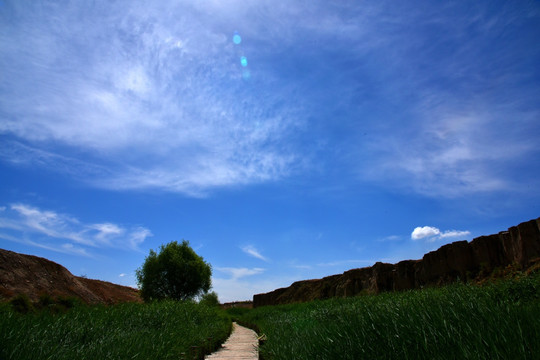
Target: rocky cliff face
x: 519, y: 246
x: 34, y: 276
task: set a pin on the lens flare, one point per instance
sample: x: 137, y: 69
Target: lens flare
x: 237, y: 39
x: 243, y: 61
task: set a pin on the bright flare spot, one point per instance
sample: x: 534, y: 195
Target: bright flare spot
x: 237, y: 39
x: 243, y: 61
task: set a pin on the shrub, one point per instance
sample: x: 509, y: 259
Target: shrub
x: 210, y: 299
x: 22, y: 304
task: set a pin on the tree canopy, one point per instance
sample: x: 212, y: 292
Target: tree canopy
x: 176, y: 272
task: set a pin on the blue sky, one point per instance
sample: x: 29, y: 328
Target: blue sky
x: 285, y: 140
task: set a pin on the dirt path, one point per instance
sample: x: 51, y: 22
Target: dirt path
x: 241, y: 345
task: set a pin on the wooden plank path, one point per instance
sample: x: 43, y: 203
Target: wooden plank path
x: 242, y: 345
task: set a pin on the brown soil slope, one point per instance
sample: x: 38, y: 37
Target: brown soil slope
x: 518, y: 247
x: 34, y: 276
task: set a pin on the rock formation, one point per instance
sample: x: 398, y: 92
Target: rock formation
x: 35, y: 276
x: 519, y: 246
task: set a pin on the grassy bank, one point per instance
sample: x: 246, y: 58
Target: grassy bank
x: 161, y: 330
x: 496, y: 321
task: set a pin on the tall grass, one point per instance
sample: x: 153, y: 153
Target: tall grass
x: 162, y: 330
x: 496, y: 321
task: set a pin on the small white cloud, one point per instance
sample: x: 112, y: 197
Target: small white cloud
x: 425, y: 231
x: 122, y: 275
x: 252, y: 251
x: 2, y: 208
x: 433, y: 233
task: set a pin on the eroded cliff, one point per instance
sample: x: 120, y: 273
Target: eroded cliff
x: 519, y: 246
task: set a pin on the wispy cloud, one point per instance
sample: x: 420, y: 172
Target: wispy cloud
x: 452, y: 137
x: 146, y: 101
x: 65, y: 248
x: 155, y: 97
x: 252, y: 251
x: 106, y: 231
x: 431, y: 233
x: 237, y: 273
x: 390, y: 238
x: 49, y: 229
x: 138, y: 235
x: 453, y: 154
x: 454, y: 233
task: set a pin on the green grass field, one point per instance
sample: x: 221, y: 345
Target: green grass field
x: 496, y: 321
x: 162, y: 330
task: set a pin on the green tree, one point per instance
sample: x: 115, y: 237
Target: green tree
x: 210, y: 299
x: 176, y: 272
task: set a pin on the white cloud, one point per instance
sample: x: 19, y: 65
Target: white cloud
x: 423, y: 232
x: 122, y: 275
x: 237, y: 273
x: 23, y: 221
x: 432, y: 233
x: 252, y: 251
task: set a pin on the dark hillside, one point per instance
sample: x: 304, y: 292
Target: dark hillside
x: 34, y: 276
